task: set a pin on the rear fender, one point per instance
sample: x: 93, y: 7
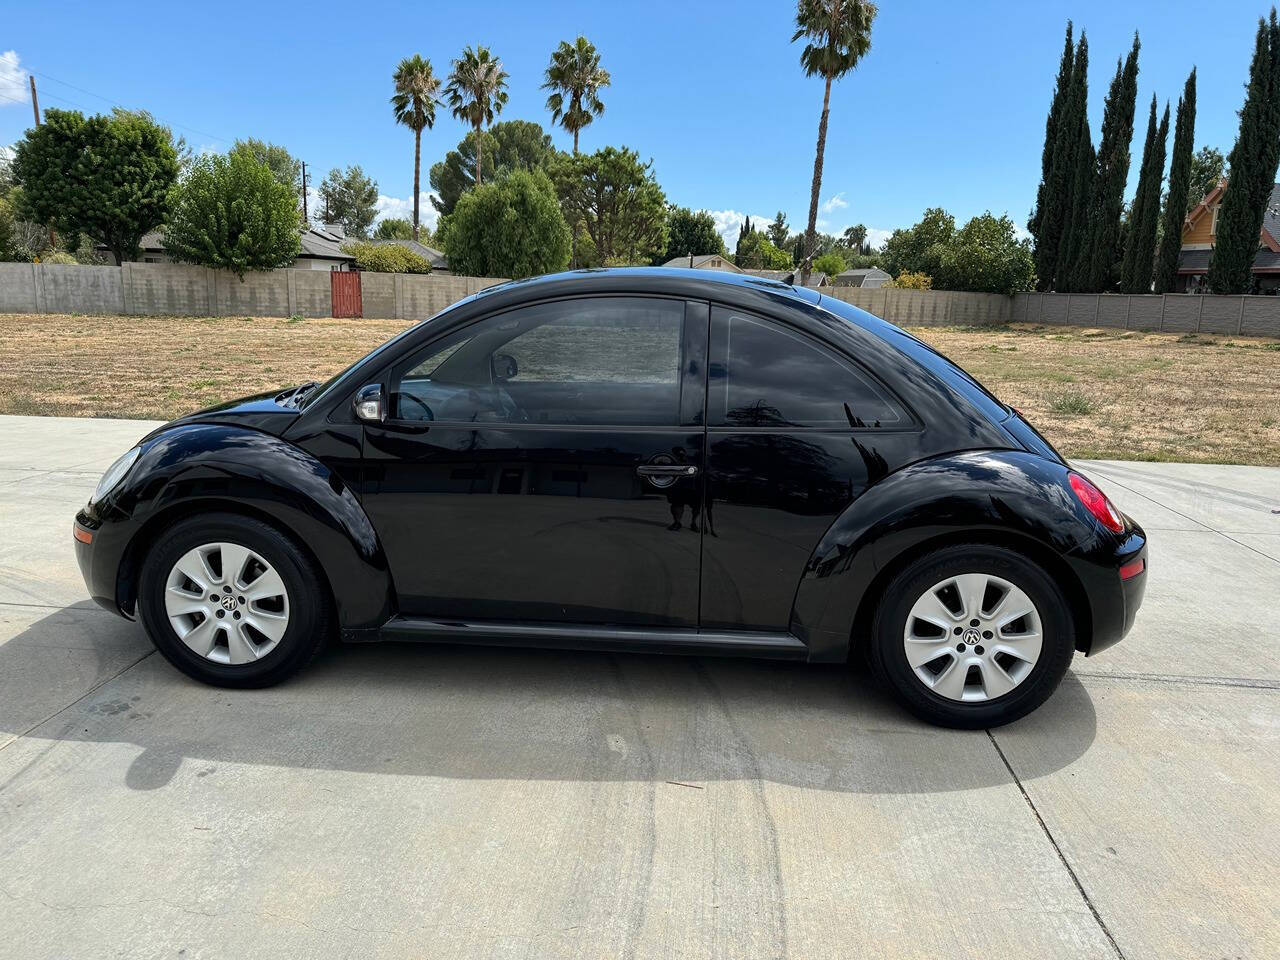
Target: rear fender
x: 994, y: 496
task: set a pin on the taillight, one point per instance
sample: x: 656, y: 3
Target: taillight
x: 1096, y: 502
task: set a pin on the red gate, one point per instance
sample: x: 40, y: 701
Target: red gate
x: 346, y: 293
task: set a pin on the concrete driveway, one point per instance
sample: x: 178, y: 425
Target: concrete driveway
x: 445, y: 802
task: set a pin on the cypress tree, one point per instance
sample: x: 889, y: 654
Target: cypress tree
x: 1252, y: 163
x: 1140, y: 251
x: 1073, y: 169
x: 1166, y: 269
x: 1046, y: 219
x: 1095, y: 270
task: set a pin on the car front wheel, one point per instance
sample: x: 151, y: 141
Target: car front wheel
x: 973, y: 636
x: 232, y: 601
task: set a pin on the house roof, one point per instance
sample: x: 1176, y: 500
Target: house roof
x: 323, y: 242
x: 859, y: 273
x: 698, y: 261
x: 1270, y: 215
x: 1197, y: 261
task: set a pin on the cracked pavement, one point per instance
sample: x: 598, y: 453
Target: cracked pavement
x: 443, y: 801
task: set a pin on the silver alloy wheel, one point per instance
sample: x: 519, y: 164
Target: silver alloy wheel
x: 973, y: 637
x: 226, y: 603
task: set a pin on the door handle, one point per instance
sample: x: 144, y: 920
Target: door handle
x: 671, y: 470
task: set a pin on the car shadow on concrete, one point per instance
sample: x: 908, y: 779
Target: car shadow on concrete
x: 495, y: 713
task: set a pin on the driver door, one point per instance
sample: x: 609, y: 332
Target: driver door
x: 545, y: 464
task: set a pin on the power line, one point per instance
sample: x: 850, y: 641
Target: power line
x: 114, y: 103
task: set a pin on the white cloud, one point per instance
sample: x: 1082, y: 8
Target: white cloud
x: 837, y: 202
x: 402, y: 208
x: 13, y: 81
x: 729, y: 221
x: 388, y: 207
x: 876, y: 236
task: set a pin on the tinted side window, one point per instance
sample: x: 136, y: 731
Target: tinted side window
x: 763, y: 375
x: 602, y: 361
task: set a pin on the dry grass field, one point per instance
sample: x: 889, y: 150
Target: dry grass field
x: 1093, y: 393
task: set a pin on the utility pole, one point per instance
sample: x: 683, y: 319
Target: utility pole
x: 304, y: 192
x: 35, y: 109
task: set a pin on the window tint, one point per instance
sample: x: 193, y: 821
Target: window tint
x: 770, y: 377
x: 596, y: 361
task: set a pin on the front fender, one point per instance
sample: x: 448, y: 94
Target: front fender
x: 198, y: 467
x: 1002, y: 495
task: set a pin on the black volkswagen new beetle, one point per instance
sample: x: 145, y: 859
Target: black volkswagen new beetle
x: 656, y: 460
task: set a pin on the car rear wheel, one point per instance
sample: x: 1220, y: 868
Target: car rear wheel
x: 232, y: 601
x: 973, y: 636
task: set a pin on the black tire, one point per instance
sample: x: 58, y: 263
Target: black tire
x: 889, y: 658
x: 310, y: 619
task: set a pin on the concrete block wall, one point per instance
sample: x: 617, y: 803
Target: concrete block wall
x: 171, y: 289
x: 927, y: 307
x: 1249, y: 316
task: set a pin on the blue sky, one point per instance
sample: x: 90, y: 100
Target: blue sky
x: 946, y: 110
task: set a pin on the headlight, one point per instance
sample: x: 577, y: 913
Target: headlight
x: 115, y: 473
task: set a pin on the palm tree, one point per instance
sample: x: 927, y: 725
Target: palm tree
x: 477, y: 90
x: 575, y: 72
x: 839, y: 32
x: 414, y: 105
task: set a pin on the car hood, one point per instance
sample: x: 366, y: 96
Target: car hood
x: 257, y: 412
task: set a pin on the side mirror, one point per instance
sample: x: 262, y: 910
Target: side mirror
x: 368, y: 403
x: 504, y: 367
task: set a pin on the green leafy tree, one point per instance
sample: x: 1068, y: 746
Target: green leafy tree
x: 1253, y: 164
x: 756, y: 252
x: 8, y: 231
x: 511, y: 227
x: 690, y: 233
x: 837, y: 35
x: 1054, y: 213
x: 745, y: 230
x: 349, y: 198
x: 1096, y: 268
x: 911, y: 250
x: 233, y: 213
x: 616, y: 202
x: 830, y: 263
x: 509, y: 145
x: 984, y: 256
x: 1079, y: 167
x: 777, y: 231
x: 855, y: 238
x: 1175, y: 205
x: 393, y: 228
x: 386, y: 257
x: 283, y: 166
x: 1047, y: 215
x: 1208, y: 167
x: 414, y: 105
x: 860, y: 261
x: 477, y: 91
x: 575, y: 78
x: 1140, y: 248
x: 910, y: 281
x: 109, y: 177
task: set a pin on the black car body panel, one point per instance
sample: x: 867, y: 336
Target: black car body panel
x: 775, y: 543
x: 207, y: 467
